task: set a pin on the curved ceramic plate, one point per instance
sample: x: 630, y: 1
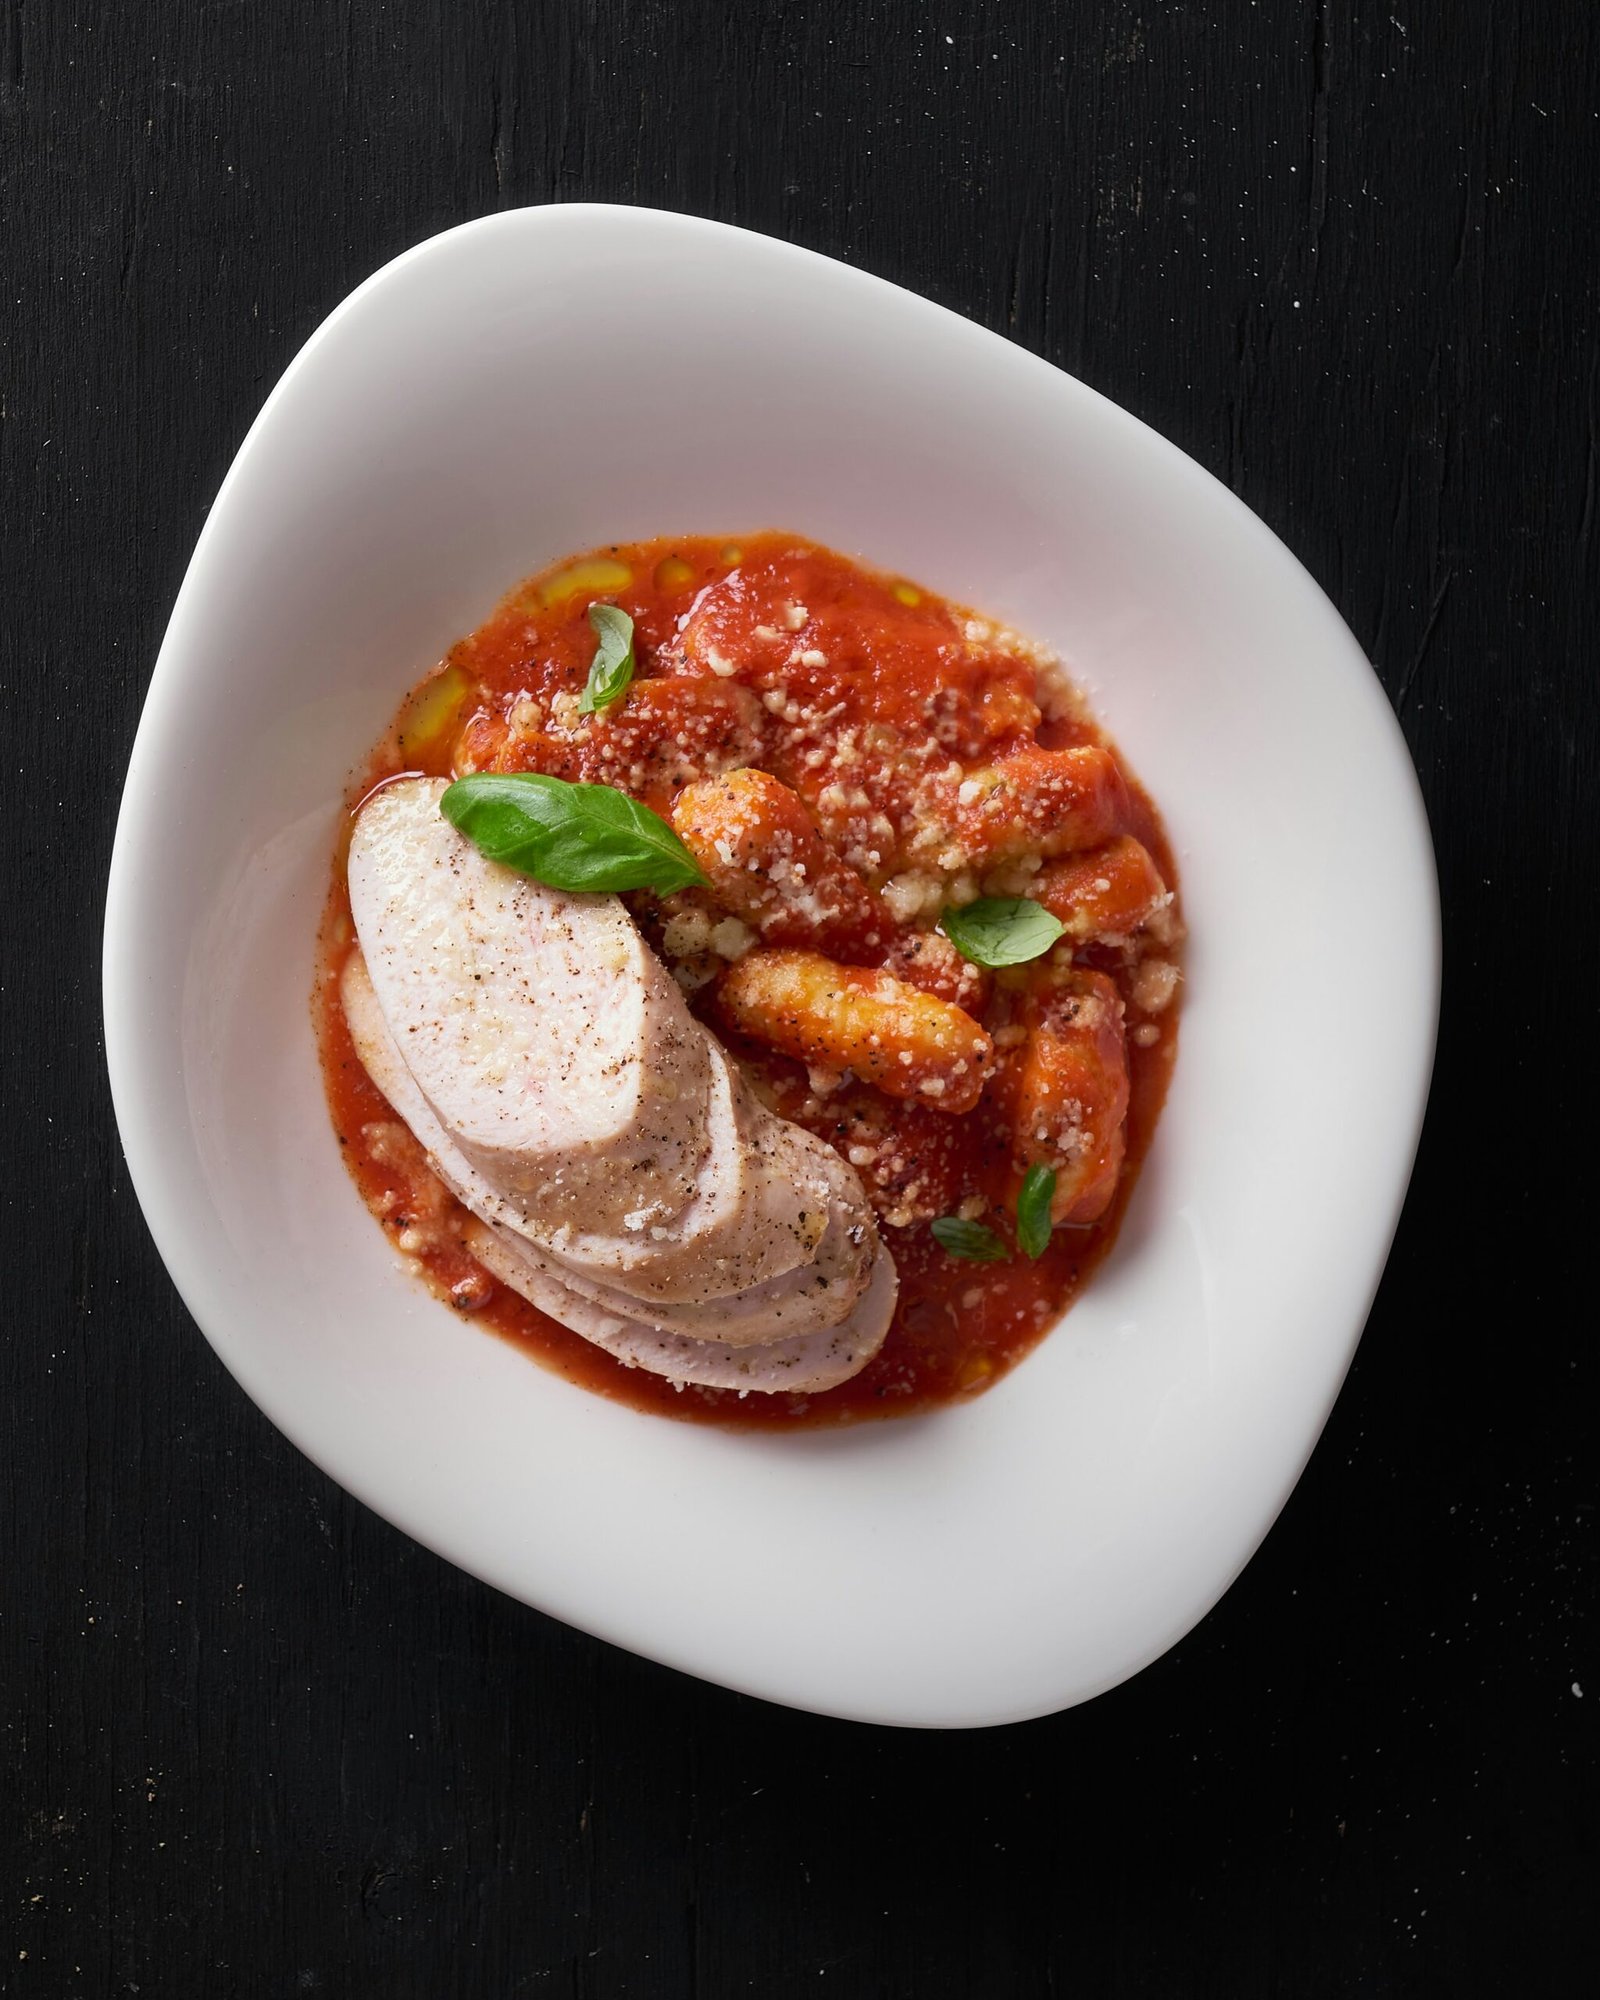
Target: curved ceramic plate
x: 542, y: 381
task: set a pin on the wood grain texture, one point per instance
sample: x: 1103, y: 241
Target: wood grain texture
x: 256, y: 1743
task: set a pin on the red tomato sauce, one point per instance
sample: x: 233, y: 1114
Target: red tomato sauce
x: 923, y: 741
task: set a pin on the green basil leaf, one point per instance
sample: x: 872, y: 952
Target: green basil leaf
x: 1033, y: 1210
x: 1001, y: 930
x: 967, y: 1239
x: 611, y: 669
x: 569, y: 836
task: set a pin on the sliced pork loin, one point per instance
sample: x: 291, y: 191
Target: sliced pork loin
x: 818, y: 1294
x: 558, y: 1053
x: 622, y: 1169
x: 799, y: 1363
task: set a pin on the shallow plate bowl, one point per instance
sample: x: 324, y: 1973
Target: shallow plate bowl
x: 546, y: 380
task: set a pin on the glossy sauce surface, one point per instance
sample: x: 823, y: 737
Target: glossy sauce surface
x: 928, y: 748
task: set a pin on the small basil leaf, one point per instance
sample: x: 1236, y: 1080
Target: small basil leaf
x: 967, y: 1239
x: 1001, y: 930
x: 569, y: 836
x: 1033, y: 1210
x: 612, y: 666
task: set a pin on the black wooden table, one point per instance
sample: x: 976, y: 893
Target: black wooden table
x: 256, y: 1743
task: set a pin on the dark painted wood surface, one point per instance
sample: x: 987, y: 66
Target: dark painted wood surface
x: 1344, y: 252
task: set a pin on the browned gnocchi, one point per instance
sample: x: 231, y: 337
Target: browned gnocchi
x: 841, y: 1018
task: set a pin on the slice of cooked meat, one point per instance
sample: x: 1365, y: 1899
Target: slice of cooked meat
x: 819, y: 1295
x: 560, y: 1058
x: 798, y: 1363
x: 536, y: 1022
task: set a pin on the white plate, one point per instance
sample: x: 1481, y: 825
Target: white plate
x: 545, y: 380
